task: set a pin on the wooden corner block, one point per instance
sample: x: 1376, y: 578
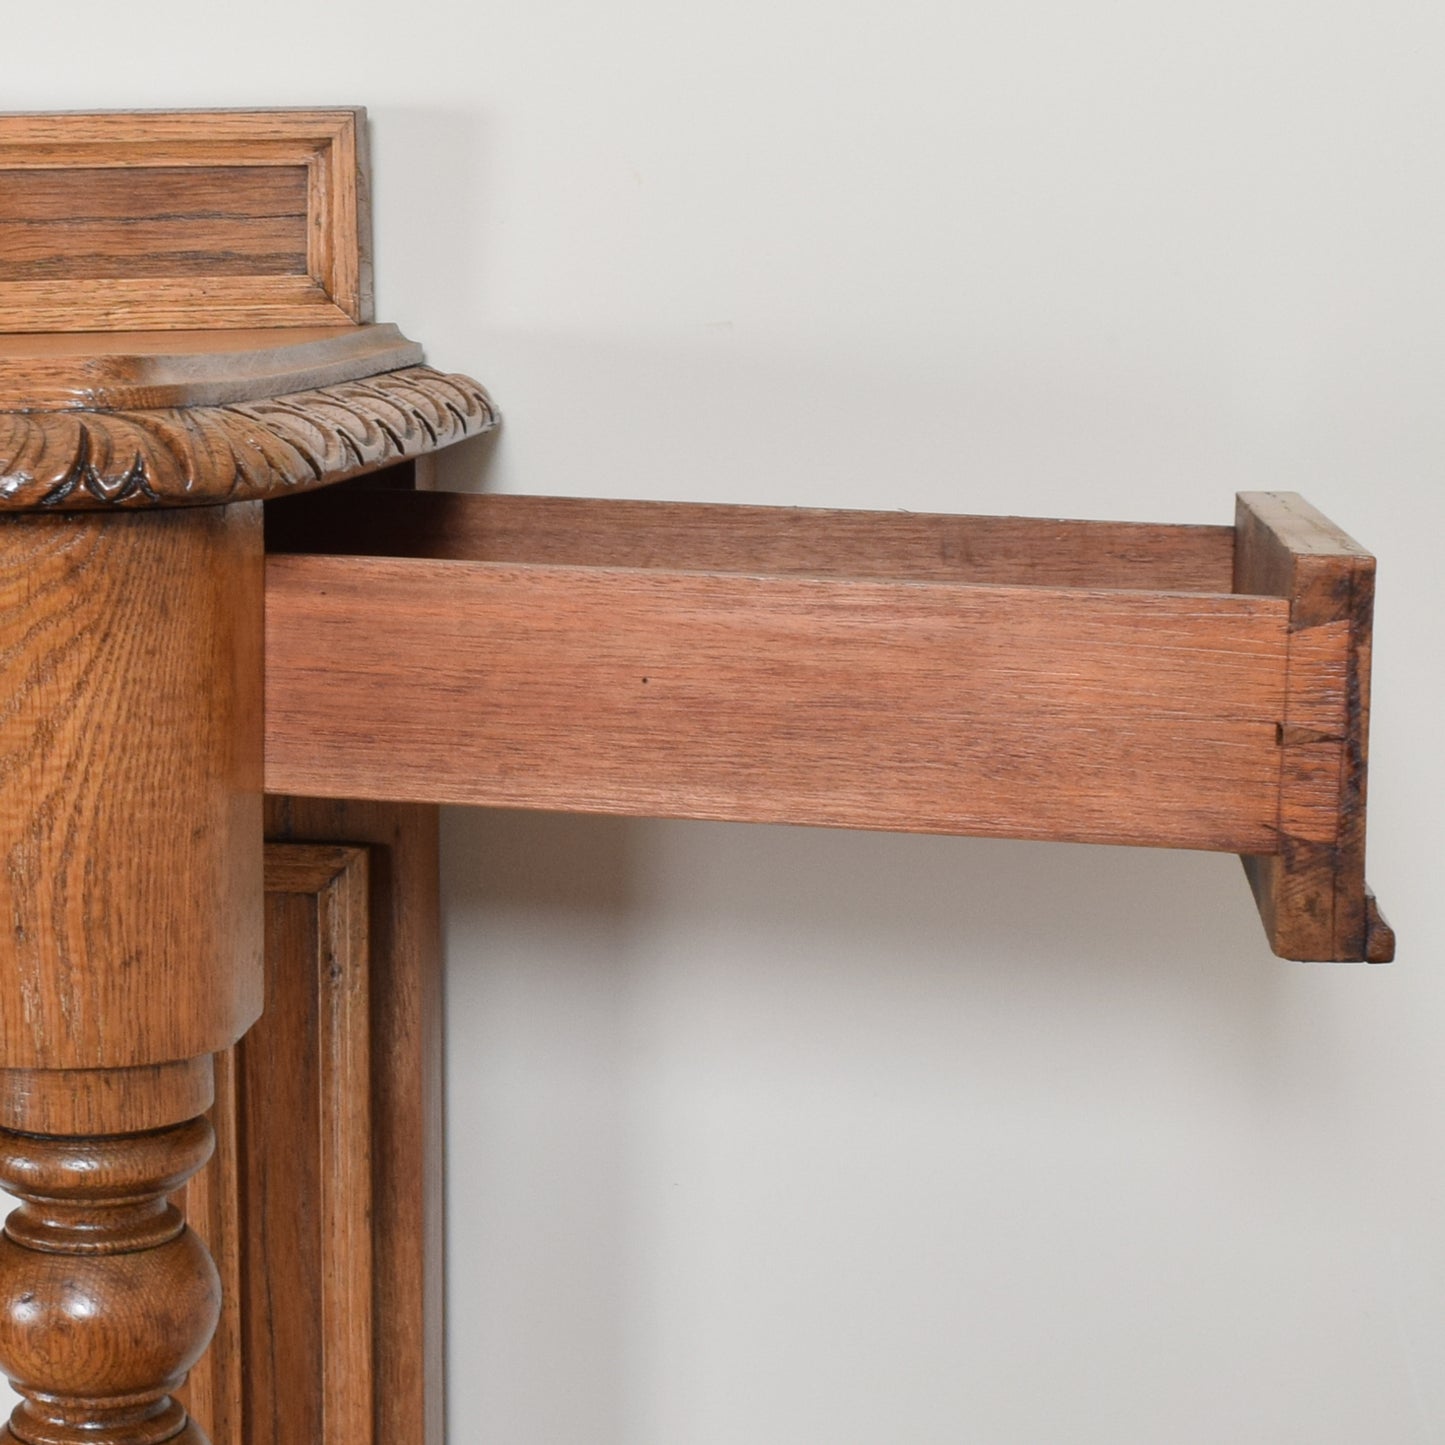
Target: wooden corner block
x: 1311, y: 891
x: 165, y: 220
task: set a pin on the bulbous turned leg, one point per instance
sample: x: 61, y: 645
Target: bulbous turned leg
x: 106, y: 1297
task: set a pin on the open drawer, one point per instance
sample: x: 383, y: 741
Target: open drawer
x: 1173, y: 686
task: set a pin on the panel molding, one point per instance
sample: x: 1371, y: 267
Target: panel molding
x: 163, y: 240
x: 287, y: 1203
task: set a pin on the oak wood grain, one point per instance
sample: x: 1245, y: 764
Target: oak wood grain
x: 199, y: 456
x: 106, y: 1297
x: 290, y: 1216
x: 105, y: 1101
x: 182, y: 304
x: 84, y: 223
x: 1122, y: 717
x: 1311, y: 889
x: 406, y: 1098
x: 781, y: 541
x: 144, y: 370
x: 214, y: 1393
x: 130, y: 786
x: 127, y: 221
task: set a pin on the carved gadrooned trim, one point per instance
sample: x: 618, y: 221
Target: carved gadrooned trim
x: 190, y: 456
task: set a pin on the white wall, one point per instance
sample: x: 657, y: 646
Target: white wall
x: 788, y: 1137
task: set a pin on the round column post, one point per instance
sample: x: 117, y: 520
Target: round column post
x: 130, y: 943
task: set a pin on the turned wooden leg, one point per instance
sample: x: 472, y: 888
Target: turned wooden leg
x: 106, y: 1297
x: 130, y: 948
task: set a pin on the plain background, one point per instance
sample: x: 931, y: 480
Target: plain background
x: 791, y: 1137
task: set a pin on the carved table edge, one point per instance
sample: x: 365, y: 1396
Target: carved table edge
x: 77, y: 460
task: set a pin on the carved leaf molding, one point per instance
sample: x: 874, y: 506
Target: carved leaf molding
x: 94, y: 460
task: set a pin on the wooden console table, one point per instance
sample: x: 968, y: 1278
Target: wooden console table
x: 194, y: 612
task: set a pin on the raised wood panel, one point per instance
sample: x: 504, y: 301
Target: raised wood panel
x: 82, y: 194
x: 278, y: 1286
x: 90, y: 250
x: 1099, y: 716
x: 287, y: 1205
x: 86, y: 223
x: 182, y: 219
x: 406, y: 1100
